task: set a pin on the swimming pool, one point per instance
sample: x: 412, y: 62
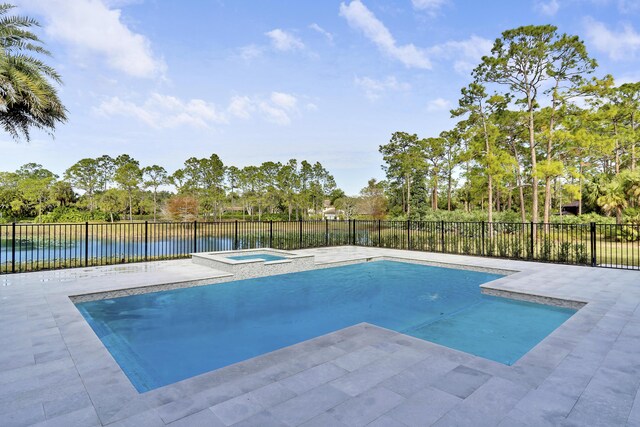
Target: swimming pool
x: 163, y: 337
x: 264, y: 257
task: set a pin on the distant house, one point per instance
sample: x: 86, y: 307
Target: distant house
x: 572, y: 208
x: 330, y: 213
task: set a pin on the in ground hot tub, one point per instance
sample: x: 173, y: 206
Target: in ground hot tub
x: 249, y: 263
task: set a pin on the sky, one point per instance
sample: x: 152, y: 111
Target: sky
x: 256, y: 81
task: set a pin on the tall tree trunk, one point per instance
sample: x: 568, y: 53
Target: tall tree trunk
x: 534, y: 169
x: 633, y: 142
x: 155, y: 204
x: 130, y: 207
x: 489, y: 175
x: 434, y: 195
x: 449, y: 178
x: 615, y: 133
x: 547, y: 178
x: 580, y: 191
x: 408, y: 196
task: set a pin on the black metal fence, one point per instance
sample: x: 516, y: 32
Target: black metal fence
x: 32, y: 247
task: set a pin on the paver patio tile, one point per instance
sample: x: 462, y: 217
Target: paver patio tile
x: 236, y: 409
x: 85, y: 417
x: 488, y: 405
x: 323, y: 420
x: 306, y: 406
x: 358, y: 358
x: 365, y: 408
x: 312, y: 377
x: 25, y: 416
x: 461, y: 381
x: 386, y: 421
x: 261, y: 419
x: 204, y: 418
x: 424, y: 407
x: 271, y: 395
x: 419, y: 376
x: 67, y: 403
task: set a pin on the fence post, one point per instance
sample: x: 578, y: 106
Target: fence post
x: 531, y: 240
x: 86, y: 243
x: 300, y: 246
x: 235, y: 237
x: 353, y: 235
x: 379, y: 234
x: 13, y: 247
x: 195, y: 236
x: 349, y: 233
x: 442, y: 246
x: 408, y: 234
x: 326, y: 232
x: 594, y: 262
x: 146, y: 240
x: 482, y: 242
x: 271, y: 233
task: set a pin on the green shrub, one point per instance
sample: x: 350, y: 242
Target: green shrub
x: 580, y: 251
x: 503, y: 248
x: 628, y: 233
x: 564, y: 252
x: 546, y: 250
x: 73, y: 215
x: 516, y: 249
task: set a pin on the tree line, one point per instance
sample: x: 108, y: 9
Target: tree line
x: 111, y: 188
x: 535, y: 131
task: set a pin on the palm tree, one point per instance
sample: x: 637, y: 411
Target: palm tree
x: 613, y: 199
x: 28, y: 98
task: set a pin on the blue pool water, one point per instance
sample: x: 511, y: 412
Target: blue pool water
x: 264, y: 257
x: 163, y: 337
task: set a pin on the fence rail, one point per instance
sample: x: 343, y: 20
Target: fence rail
x: 32, y: 247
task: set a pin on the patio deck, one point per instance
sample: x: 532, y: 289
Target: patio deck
x: 55, y: 371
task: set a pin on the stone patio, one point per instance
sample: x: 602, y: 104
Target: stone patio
x: 55, y: 371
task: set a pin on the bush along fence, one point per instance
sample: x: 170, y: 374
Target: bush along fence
x: 32, y: 247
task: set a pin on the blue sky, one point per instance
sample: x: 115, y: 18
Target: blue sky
x: 254, y: 81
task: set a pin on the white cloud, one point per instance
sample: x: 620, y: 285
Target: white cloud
x: 279, y: 109
x: 361, y: 18
x: 375, y: 88
x: 274, y: 114
x: 91, y: 27
x: 241, y: 107
x: 284, y: 100
x: 322, y: 31
x: 165, y: 112
x: 430, y: 6
x: 284, y: 41
x: 621, y: 44
x: 250, y: 52
x: 549, y: 8
x: 465, y: 54
x: 438, y: 104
